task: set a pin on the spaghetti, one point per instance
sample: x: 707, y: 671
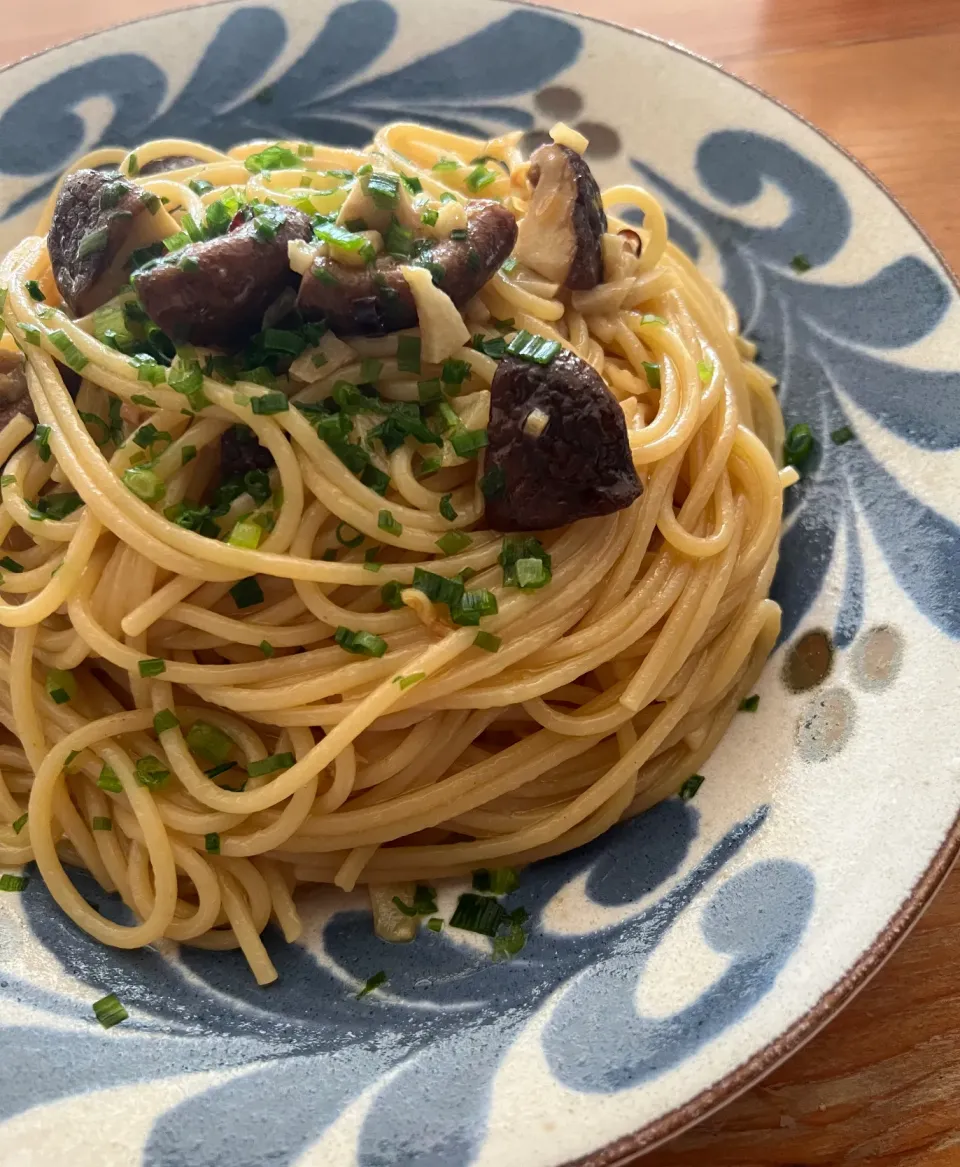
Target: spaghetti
x: 210, y: 706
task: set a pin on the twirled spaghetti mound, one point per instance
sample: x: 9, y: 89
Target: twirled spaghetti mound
x: 367, y: 517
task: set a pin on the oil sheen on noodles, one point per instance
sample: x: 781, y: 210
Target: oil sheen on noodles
x: 610, y: 687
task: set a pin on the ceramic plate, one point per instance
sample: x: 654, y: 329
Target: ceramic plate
x: 682, y: 955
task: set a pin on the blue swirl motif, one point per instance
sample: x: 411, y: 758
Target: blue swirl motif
x: 465, y: 87
x: 824, y: 342
x: 430, y: 1046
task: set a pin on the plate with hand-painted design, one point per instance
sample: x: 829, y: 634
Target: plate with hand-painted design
x: 676, y: 959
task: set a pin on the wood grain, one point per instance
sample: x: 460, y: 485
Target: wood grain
x: 881, y: 1084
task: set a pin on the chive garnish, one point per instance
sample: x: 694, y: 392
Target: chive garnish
x: 152, y: 667
x: 690, y: 787
x: 374, y: 982
x: 109, y: 1011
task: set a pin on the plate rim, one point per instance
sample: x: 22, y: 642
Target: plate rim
x: 756, y: 1067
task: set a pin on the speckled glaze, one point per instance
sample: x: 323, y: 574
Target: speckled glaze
x: 675, y: 960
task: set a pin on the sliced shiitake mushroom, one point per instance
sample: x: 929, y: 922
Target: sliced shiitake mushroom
x: 216, y: 292
x: 14, y: 395
x: 376, y: 299
x: 98, y: 220
x: 560, y: 233
x: 558, y: 446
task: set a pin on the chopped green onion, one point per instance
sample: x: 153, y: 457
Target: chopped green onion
x: 798, y: 446
x: 468, y: 442
x: 61, y: 685
x: 150, y: 772
x: 147, y: 434
x: 20, y: 823
x: 343, y: 540
x: 526, y: 550
x: 429, y: 218
x: 35, y: 292
x: 453, y: 541
x: 108, y: 1010
x: 41, y: 438
x: 412, y: 679
x: 270, y: 403
x: 211, y: 843
x: 841, y: 436
x: 473, y: 606
x: 446, y: 508
x: 270, y: 764
x: 187, y: 454
x: 101, y: 823
x: 165, y: 719
x: 429, y: 466
x: 424, y: 902
x: 216, y: 771
x: 705, y: 372
x: 31, y: 333
x: 209, y: 741
x: 408, y: 354
x: 437, y: 588
x: 459, y: 234
x: 478, y: 913
x: 412, y: 183
x: 455, y: 372
x: 93, y: 242
x: 386, y: 522
x: 70, y: 757
x: 200, y: 186
x: 144, y: 484
x: 690, y: 787
x: 56, y: 506
x: 750, y: 704
x: 398, y: 242
x: 500, y: 881
x: 246, y: 535
x: 487, y: 641
x: 390, y: 594
x: 446, y: 164
x: 370, y: 559
x: 429, y: 391
x: 8, y: 480
x: 11, y: 565
x: 800, y: 264
x: 448, y: 197
x: 109, y: 781
x: 13, y: 882
x: 480, y: 177
x: 152, y: 667
x: 275, y: 157
x: 374, y: 982
x: 361, y: 643
x: 652, y: 372
x: 533, y: 348
x: 370, y: 371
x: 494, y: 347
x: 176, y: 242
x: 305, y: 150
x: 384, y: 189
x: 247, y: 592
x: 435, y: 924
x: 505, y: 947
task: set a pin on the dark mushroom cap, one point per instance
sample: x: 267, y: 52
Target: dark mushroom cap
x: 240, y: 452
x: 93, y: 218
x: 221, y: 301
x: 560, y: 235
x: 374, y: 300
x: 578, y: 466
x: 169, y: 162
x: 14, y: 396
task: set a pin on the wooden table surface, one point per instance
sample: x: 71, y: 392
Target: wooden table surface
x: 881, y: 1084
